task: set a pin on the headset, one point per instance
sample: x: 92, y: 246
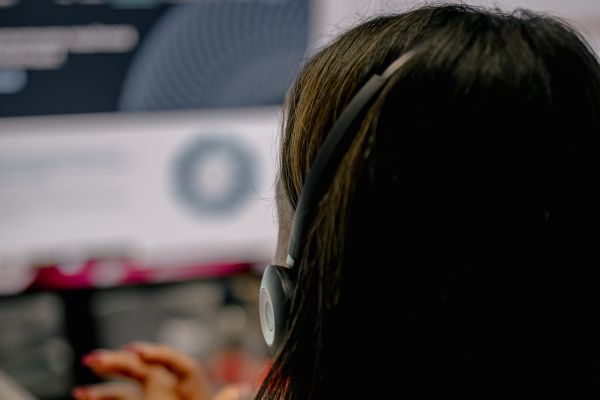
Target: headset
x: 279, y: 283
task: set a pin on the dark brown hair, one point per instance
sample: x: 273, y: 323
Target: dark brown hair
x: 451, y: 242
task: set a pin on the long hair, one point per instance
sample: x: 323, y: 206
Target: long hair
x: 453, y: 242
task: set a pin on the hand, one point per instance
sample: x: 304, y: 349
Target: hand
x: 161, y: 373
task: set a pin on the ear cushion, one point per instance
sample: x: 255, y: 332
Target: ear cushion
x: 276, y: 291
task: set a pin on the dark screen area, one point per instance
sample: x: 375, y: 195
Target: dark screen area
x: 63, y: 57
x: 85, y: 82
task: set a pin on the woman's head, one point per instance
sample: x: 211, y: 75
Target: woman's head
x: 451, y: 238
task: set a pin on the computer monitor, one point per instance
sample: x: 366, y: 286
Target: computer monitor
x: 137, y: 137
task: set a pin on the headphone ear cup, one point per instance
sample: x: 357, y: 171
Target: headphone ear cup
x: 276, y: 291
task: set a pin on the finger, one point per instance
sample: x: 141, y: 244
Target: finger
x: 235, y: 392
x: 192, y: 380
x: 122, y: 363
x: 175, y: 361
x: 108, y: 391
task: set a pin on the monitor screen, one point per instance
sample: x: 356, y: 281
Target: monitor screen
x: 105, y: 199
x: 137, y: 137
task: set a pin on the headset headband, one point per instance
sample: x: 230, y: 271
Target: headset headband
x: 330, y: 153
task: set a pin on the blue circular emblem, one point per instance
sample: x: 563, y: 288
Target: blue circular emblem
x: 213, y: 175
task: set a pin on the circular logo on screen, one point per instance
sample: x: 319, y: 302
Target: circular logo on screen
x: 213, y: 175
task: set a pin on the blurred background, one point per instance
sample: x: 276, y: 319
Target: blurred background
x: 138, y: 150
